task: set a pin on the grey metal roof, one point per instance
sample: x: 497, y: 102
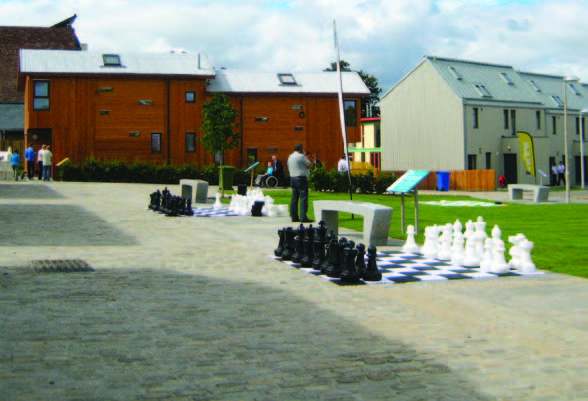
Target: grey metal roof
x: 502, y: 82
x: 267, y: 82
x: 11, y: 117
x: 83, y: 62
x: 552, y: 85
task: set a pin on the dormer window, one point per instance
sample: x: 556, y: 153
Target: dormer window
x: 558, y: 101
x: 111, y: 60
x: 573, y: 88
x: 287, y: 79
x: 535, y: 86
x: 482, y: 90
x: 455, y: 73
x: 506, y: 78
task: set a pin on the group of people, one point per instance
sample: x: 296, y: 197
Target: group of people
x: 558, y: 174
x: 44, y: 162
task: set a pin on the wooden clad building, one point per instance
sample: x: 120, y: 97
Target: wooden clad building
x: 149, y: 107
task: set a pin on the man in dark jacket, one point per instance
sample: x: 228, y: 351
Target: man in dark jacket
x: 279, y: 171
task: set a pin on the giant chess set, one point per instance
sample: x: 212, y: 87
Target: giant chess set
x: 447, y: 254
x: 254, y: 203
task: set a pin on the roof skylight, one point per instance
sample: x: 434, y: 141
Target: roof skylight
x: 455, y: 73
x: 287, y: 79
x: 482, y: 90
x: 534, y: 85
x: 557, y: 100
x: 111, y: 60
x: 573, y: 88
x: 506, y: 78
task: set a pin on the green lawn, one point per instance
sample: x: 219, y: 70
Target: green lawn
x: 558, y: 230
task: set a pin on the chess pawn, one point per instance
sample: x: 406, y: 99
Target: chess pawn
x: 349, y: 274
x: 410, y: 246
x: 457, y: 250
x: 526, y: 265
x: 499, y: 266
x: 360, y: 260
x: 289, y: 244
x: 372, y: 273
x: 217, y: 204
x: 515, y: 251
x: 488, y: 258
x: 278, y: 251
x: 189, y: 210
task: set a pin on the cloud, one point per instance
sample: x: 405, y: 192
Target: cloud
x: 382, y: 37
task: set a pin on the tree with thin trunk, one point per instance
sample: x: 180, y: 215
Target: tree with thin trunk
x: 219, y: 129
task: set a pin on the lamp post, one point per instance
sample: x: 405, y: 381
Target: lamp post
x: 566, y: 80
x: 584, y: 111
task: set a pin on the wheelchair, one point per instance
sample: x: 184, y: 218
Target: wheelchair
x: 266, y: 181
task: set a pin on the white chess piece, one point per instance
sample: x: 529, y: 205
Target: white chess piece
x: 515, y: 251
x: 410, y: 246
x: 470, y: 229
x: 526, y: 265
x: 499, y: 265
x: 457, y: 226
x: 496, y: 233
x: 457, y: 250
x: 445, y: 240
x: 488, y: 258
x: 471, y: 258
x: 430, y: 248
x: 217, y: 203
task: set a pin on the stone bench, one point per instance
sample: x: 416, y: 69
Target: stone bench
x: 376, y: 218
x: 540, y: 193
x: 196, y: 190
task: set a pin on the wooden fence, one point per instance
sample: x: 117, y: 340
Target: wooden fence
x: 461, y: 180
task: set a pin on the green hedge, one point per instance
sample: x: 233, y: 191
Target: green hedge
x: 334, y: 181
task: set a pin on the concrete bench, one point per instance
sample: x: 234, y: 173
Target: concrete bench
x: 196, y: 190
x: 376, y: 218
x: 540, y: 193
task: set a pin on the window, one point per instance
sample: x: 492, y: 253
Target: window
x: 553, y: 125
x: 156, y: 142
x: 262, y: 119
x: 513, y: 122
x: 538, y: 118
x: 573, y: 88
x: 296, y: 107
x: 41, y: 95
x: 190, y: 142
x: 505, y: 112
x: 557, y: 101
x: 455, y: 73
x: 351, y: 113
x: 506, y: 78
x: 583, y: 128
x: 472, y: 162
x: 134, y: 133
x: 298, y: 128
x: 482, y: 90
x: 145, y: 102
x: 251, y: 156
x: 377, y: 136
x: 104, y: 112
x: 287, y: 79
x: 535, y: 86
x: 111, y: 60
x: 190, y: 97
x: 577, y: 125
x: 488, y: 160
x: 476, y: 124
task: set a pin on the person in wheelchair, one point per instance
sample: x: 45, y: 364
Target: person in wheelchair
x: 267, y: 179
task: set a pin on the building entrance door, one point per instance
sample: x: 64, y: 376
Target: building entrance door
x: 510, y: 168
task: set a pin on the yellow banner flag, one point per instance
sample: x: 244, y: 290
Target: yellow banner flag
x: 527, y: 151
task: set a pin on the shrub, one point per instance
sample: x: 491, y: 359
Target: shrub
x: 383, y: 181
x: 93, y: 170
x: 117, y: 171
x: 71, y: 172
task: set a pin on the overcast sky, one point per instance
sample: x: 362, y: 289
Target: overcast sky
x: 386, y: 38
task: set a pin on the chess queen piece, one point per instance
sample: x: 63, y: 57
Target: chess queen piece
x: 349, y: 273
x: 372, y: 273
x: 278, y: 251
x: 360, y: 260
x: 410, y: 246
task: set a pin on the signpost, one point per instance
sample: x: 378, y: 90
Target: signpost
x: 404, y: 185
x: 252, y: 169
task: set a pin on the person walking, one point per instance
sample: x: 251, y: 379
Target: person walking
x: 40, y: 161
x: 561, y: 174
x: 30, y: 156
x: 47, y: 162
x: 299, y: 167
x: 279, y: 171
x: 14, y: 162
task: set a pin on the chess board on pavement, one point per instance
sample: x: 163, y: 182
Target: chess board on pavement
x: 398, y: 268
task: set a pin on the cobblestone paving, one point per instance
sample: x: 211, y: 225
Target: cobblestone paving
x: 192, y: 309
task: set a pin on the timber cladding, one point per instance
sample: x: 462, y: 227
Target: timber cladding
x: 113, y: 118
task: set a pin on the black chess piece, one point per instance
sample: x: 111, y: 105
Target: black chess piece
x: 189, y: 210
x: 325, y: 264
x: 307, y: 259
x: 299, y: 252
x: 278, y: 251
x: 318, y: 253
x: 372, y: 273
x: 289, y: 244
x: 360, y: 261
x: 349, y: 274
x: 336, y: 258
x: 257, y: 208
x: 172, y: 207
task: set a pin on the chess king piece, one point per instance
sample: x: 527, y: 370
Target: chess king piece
x: 289, y: 244
x: 410, y: 246
x: 372, y: 273
x: 526, y: 265
x: 349, y: 274
x: 360, y: 260
x: 278, y: 251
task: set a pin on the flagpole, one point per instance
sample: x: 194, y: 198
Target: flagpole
x: 342, y: 111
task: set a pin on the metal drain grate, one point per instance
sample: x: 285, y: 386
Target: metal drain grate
x: 61, y: 266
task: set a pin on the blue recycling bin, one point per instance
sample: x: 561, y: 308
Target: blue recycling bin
x: 443, y: 180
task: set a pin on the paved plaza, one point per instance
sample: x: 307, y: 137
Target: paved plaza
x: 193, y: 309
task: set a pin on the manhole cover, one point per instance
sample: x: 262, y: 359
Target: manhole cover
x: 61, y: 266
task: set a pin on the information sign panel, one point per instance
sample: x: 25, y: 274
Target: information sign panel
x: 408, y: 181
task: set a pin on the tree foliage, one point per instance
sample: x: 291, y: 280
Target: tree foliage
x: 219, y: 126
x: 371, y: 82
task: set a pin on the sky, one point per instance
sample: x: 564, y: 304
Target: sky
x: 386, y: 38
